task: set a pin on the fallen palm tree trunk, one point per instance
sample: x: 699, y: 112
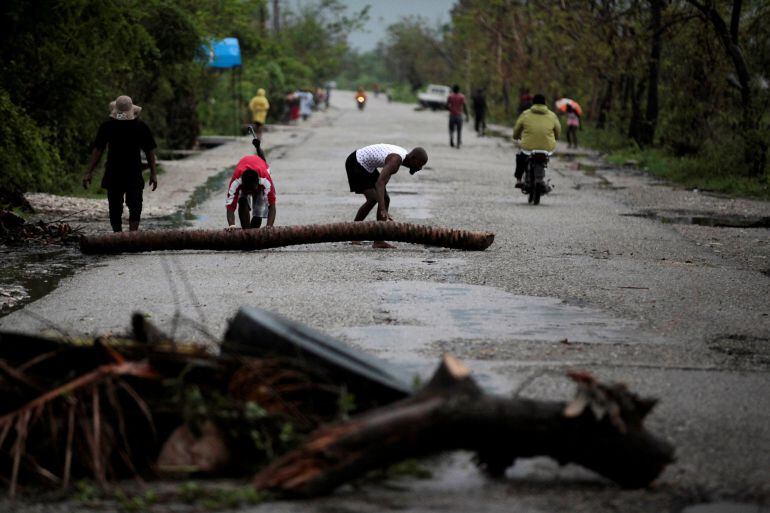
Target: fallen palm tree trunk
x: 244, y: 240
x: 601, y: 430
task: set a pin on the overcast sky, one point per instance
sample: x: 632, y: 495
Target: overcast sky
x: 386, y: 12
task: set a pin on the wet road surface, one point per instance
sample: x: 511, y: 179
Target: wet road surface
x: 572, y: 283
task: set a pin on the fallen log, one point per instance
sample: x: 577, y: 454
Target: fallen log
x: 244, y: 240
x: 601, y: 430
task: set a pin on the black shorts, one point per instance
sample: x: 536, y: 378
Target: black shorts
x: 359, y: 178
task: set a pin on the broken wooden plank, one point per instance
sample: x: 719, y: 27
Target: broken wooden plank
x: 262, y: 334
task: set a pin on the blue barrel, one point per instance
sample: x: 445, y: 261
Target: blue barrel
x: 225, y: 53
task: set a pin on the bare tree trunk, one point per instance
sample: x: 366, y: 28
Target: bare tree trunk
x: 452, y: 413
x: 276, y: 16
x: 635, y: 124
x: 647, y: 128
x: 244, y: 240
x: 756, y: 145
x: 606, y: 104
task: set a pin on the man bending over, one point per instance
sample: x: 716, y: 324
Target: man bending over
x: 252, y: 193
x: 364, y: 178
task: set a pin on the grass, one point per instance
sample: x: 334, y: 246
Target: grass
x: 713, y: 171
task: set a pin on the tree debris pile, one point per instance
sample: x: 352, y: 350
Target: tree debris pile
x: 244, y: 240
x: 278, y: 398
x: 15, y: 230
x: 142, y: 405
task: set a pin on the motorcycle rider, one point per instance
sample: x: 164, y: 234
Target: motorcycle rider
x: 538, y: 128
x: 360, y: 97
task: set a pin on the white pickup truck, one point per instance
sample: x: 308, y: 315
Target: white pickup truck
x: 434, y: 96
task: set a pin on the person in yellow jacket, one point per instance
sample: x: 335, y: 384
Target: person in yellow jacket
x: 538, y: 128
x: 259, y: 107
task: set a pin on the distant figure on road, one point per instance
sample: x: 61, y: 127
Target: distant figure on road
x: 456, y: 105
x: 525, y: 100
x: 292, y: 102
x: 538, y: 129
x: 328, y: 94
x: 573, y: 123
x: 363, y: 177
x: 305, y: 104
x: 480, y: 112
x: 124, y: 136
x: 259, y: 107
x: 251, y: 193
x: 360, y: 98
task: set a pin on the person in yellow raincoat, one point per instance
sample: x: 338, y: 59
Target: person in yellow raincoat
x: 259, y: 107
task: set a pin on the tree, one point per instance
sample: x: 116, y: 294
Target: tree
x: 755, y: 142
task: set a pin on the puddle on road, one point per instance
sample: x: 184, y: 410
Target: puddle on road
x: 414, y: 314
x: 704, y: 219
x: 29, y: 274
x: 184, y: 217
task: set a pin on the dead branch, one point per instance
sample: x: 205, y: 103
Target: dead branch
x: 452, y: 413
x: 244, y: 240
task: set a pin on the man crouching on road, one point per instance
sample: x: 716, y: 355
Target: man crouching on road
x: 252, y: 193
x: 363, y: 177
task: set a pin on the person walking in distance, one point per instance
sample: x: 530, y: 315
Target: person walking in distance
x: 573, y: 123
x: 364, y: 178
x: 480, y: 112
x: 124, y: 136
x: 259, y: 105
x: 456, y: 105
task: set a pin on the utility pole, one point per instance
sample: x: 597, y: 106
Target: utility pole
x: 276, y: 16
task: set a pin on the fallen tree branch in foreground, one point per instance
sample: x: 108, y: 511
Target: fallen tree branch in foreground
x: 243, y: 240
x: 601, y: 429
x: 143, y: 404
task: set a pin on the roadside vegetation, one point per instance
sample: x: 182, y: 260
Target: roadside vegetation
x: 64, y: 61
x: 680, y: 87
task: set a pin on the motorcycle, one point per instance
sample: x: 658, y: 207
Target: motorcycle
x: 535, y: 184
x: 361, y: 101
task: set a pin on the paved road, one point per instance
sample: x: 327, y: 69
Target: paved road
x: 666, y: 308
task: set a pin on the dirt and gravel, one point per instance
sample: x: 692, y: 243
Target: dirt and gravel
x: 609, y: 261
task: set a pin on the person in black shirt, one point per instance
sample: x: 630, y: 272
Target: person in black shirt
x: 124, y: 135
x: 480, y: 111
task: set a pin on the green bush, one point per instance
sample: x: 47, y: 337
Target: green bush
x: 28, y: 161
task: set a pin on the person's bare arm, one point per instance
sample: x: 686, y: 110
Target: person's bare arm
x: 153, y: 170
x: 270, y: 215
x: 392, y: 163
x: 96, y: 156
x: 230, y: 219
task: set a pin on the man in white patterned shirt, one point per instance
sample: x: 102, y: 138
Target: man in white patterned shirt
x: 363, y: 177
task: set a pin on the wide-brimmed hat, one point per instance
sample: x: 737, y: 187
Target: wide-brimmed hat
x: 124, y: 109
